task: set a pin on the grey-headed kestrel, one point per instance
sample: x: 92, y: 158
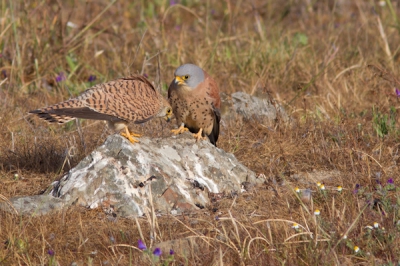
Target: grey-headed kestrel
x: 194, y: 97
x: 124, y: 100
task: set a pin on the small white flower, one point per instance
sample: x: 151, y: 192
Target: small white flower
x: 16, y: 176
x: 382, y: 3
x: 369, y: 227
x: 319, y: 184
x: 376, y: 225
x: 322, y: 187
x: 356, y: 249
x: 295, y: 226
x: 339, y: 188
x: 344, y: 237
x: 71, y: 25
x: 317, y: 212
x: 297, y: 190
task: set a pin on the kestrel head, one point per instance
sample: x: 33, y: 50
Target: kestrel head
x: 189, y: 75
x: 165, y: 110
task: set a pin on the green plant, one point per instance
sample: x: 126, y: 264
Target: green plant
x: 384, y: 123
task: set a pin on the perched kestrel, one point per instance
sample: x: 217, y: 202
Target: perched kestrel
x: 124, y: 100
x: 195, y: 100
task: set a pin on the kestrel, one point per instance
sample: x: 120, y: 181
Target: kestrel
x: 195, y: 101
x: 124, y: 100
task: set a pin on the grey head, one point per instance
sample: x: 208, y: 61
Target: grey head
x: 189, y: 75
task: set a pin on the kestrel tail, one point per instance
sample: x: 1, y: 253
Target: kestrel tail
x: 195, y: 100
x: 124, y: 100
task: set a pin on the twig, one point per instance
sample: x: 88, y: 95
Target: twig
x: 385, y: 42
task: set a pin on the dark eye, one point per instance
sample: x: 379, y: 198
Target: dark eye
x: 186, y: 77
x: 168, y: 111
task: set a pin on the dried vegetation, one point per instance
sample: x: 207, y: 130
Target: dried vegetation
x: 333, y: 64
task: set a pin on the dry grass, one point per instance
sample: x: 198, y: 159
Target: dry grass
x: 332, y: 63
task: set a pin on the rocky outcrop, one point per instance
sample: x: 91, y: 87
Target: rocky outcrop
x: 170, y: 175
x: 251, y: 107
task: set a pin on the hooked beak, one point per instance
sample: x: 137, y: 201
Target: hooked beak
x: 179, y: 80
x: 168, y: 117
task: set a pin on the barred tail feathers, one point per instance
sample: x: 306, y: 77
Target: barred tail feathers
x: 52, y: 114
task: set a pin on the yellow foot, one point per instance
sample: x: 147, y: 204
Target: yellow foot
x: 198, y: 136
x: 180, y: 130
x: 135, y: 135
x: 131, y: 136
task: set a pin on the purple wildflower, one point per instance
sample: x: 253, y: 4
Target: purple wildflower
x: 172, y: 2
x: 60, y: 77
x: 390, y: 181
x: 171, y: 252
x: 141, y: 245
x: 355, y: 191
x: 397, y: 92
x: 145, y: 75
x: 157, y: 252
x: 92, y: 78
x: 51, y: 252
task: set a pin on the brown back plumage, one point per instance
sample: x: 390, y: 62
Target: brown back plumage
x: 126, y: 99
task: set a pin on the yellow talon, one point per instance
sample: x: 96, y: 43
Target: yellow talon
x: 135, y: 135
x: 180, y: 130
x: 130, y: 136
x: 198, y: 136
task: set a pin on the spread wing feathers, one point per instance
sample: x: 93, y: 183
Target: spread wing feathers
x: 130, y: 99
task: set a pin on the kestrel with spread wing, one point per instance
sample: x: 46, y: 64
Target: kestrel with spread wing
x: 124, y: 100
x: 194, y: 97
